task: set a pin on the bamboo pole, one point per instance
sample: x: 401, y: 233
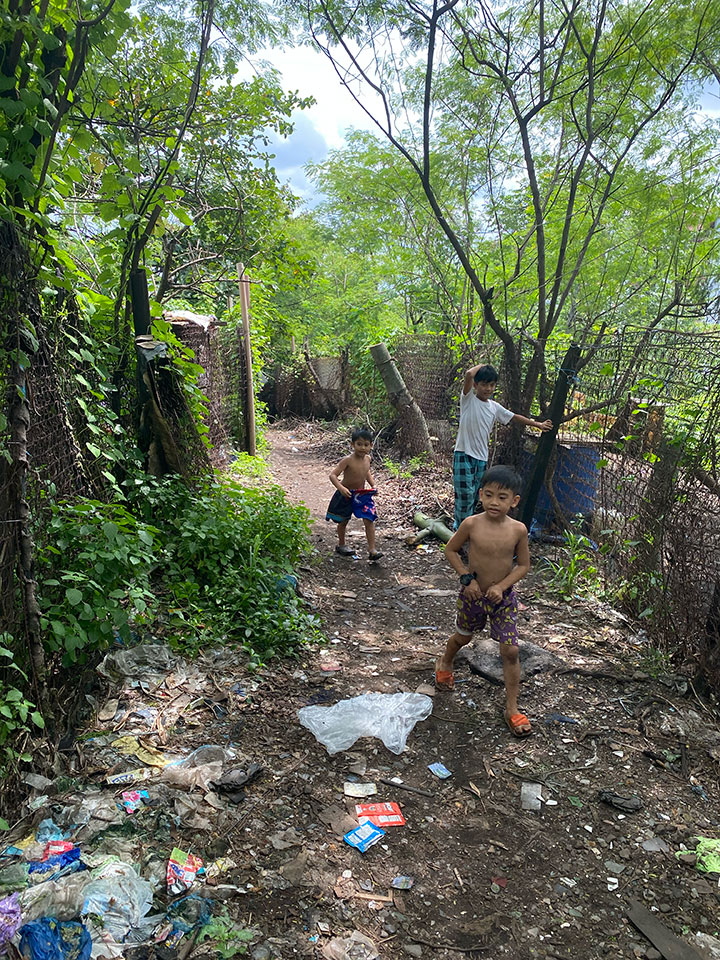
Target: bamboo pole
x: 432, y: 527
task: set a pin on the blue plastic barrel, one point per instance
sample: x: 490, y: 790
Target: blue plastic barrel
x: 575, y: 483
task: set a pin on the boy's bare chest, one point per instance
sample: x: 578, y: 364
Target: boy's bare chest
x: 355, y: 471
x: 494, y: 544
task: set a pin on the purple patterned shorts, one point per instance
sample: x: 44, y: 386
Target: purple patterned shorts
x: 472, y: 615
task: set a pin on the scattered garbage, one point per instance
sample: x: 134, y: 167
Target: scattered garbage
x: 10, y: 918
x: 330, y: 666
x: 710, y: 944
x: 51, y: 939
x: 182, y: 869
x: 402, y: 883
x: 233, y: 781
x: 559, y: 718
x: 119, y: 897
x: 355, y: 947
x: 707, y: 854
x: 132, y: 800
x: 380, y: 814
x: 364, y: 836
x: 359, y: 789
x: 149, y: 756
x: 531, y: 796
x: 187, y: 914
x: 146, y: 663
x: 388, y: 716
x: 440, y: 770
x: 627, y: 804
x: 130, y: 776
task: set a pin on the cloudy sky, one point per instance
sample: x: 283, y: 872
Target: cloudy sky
x: 322, y: 127
x: 319, y: 128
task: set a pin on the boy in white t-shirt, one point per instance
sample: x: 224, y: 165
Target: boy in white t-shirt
x: 478, y: 413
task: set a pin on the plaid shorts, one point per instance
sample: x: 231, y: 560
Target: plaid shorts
x: 467, y: 477
x: 472, y: 615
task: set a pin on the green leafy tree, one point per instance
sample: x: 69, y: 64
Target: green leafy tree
x: 543, y: 119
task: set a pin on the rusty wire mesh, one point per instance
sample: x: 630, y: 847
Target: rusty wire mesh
x: 636, y: 469
x: 218, y: 350
x: 646, y: 464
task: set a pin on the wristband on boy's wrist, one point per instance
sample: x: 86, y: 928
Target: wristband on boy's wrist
x: 466, y: 579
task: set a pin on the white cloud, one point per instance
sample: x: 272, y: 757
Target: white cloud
x: 319, y: 128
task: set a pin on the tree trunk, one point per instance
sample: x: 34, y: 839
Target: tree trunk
x: 546, y: 444
x: 414, y: 435
x: 19, y: 308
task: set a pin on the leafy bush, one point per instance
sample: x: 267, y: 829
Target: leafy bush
x: 225, y: 552
x: 576, y: 571
x: 212, y: 566
x: 94, y: 566
x: 17, y: 713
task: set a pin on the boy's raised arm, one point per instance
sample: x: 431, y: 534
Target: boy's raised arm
x: 543, y: 425
x: 470, y: 378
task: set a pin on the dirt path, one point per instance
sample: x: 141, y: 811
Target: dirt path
x: 488, y: 875
x: 489, y: 879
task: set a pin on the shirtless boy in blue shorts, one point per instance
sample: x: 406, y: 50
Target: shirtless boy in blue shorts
x: 352, y: 498
x: 498, y: 556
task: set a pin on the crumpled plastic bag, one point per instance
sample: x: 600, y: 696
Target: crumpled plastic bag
x: 10, y: 918
x: 120, y: 897
x: 355, y: 947
x: 707, y: 852
x: 51, y: 939
x: 388, y: 716
x: 150, y: 662
x: 61, y: 898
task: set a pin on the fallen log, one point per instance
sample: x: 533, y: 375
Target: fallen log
x: 430, y: 527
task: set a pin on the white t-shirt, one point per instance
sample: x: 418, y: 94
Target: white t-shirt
x: 476, y: 421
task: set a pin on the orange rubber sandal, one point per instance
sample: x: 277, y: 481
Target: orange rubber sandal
x: 515, y: 724
x: 444, y: 679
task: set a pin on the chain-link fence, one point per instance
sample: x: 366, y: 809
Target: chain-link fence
x: 635, y: 469
x: 638, y: 464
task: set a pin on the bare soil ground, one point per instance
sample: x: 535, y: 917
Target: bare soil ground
x: 489, y: 878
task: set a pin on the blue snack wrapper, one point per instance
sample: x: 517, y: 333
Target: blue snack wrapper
x: 363, y: 836
x: 440, y: 770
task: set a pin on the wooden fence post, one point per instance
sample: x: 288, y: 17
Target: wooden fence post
x: 249, y: 399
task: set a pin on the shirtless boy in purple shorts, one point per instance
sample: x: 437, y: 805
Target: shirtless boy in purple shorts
x: 498, y: 556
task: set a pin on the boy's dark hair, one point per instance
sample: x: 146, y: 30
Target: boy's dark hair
x: 361, y: 433
x: 486, y: 374
x: 504, y: 477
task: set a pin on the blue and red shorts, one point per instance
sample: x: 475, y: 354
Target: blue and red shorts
x: 360, y: 504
